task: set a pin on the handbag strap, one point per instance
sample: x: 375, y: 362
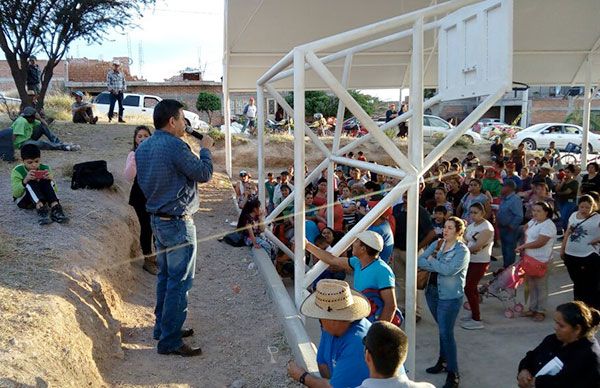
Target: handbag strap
x: 587, y: 218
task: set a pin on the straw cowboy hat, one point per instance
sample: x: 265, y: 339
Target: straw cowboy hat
x: 334, y: 300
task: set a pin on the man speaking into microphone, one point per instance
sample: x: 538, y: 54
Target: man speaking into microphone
x: 168, y: 173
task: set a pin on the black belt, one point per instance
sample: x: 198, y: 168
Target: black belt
x: 164, y: 216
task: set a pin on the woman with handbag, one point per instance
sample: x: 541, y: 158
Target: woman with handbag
x: 536, y: 253
x: 580, y: 251
x: 447, y: 260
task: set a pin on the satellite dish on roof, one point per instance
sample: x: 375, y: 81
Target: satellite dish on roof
x: 130, y: 61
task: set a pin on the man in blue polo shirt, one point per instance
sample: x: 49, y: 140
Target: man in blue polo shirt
x: 340, y: 356
x: 370, y: 272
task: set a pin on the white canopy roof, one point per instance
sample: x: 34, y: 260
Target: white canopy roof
x: 551, y: 40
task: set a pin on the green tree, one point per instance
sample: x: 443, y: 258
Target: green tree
x: 576, y: 117
x: 208, y: 102
x: 29, y: 27
x: 327, y: 104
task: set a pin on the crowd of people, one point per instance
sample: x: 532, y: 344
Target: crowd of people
x: 466, y: 207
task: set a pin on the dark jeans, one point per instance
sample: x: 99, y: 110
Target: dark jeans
x: 585, y: 274
x: 509, y: 239
x: 566, y: 208
x: 175, y: 243
x: 118, y: 97
x: 83, y: 116
x: 145, y: 230
x: 38, y: 191
x: 445, y: 312
x: 42, y: 130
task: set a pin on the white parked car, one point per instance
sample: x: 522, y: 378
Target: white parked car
x: 539, y: 136
x: 434, y: 124
x: 142, y: 105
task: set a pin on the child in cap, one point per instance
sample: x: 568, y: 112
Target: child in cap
x: 32, y: 185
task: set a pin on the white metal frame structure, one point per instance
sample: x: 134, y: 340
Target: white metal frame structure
x: 469, y: 74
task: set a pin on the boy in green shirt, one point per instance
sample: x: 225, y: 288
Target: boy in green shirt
x: 32, y: 185
x: 26, y: 129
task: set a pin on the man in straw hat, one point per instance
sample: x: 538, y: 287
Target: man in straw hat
x: 386, y: 347
x: 340, y: 356
x: 370, y: 272
x: 115, y: 80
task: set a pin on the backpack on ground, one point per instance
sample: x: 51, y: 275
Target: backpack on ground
x: 91, y: 175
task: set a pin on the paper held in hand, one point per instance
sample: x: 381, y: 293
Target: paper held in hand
x: 551, y: 368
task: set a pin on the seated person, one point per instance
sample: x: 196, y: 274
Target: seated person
x: 386, y: 347
x: 82, y: 110
x: 340, y: 355
x: 251, y: 226
x: 33, y: 187
x: 27, y: 130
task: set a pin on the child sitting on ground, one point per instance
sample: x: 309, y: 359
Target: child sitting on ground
x: 32, y: 185
x: 440, y: 215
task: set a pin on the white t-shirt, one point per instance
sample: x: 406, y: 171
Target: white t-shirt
x: 472, y: 235
x: 583, y: 233
x: 401, y: 381
x: 536, y: 229
x: 251, y: 111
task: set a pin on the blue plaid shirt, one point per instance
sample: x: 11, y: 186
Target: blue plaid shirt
x: 115, y: 81
x: 167, y: 172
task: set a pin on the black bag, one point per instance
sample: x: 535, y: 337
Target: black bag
x: 235, y: 239
x: 91, y: 175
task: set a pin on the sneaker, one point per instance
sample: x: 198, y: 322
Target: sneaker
x: 72, y: 147
x: 466, y: 318
x: 44, y: 215
x: 472, y: 325
x: 57, y: 214
x: 94, y: 120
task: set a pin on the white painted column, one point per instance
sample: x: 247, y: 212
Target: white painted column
x: 525, y: 109
x: 299, y: 227
x: 227, y: 114
x: 502, y: 113
x: 336, y: 143
x: 415, y: 156
x: 260, y: 108
x: 587, y: 105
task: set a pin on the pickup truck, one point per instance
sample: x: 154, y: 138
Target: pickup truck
x: 142, y: 105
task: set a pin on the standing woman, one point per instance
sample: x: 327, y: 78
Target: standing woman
x: 566, y: 194
x: 138, y: 201
x: 540, y: 235
x: 474, y: 195
x: 447, y: 260
x: 480, y: 240
x: 581, y: 252
x: 591, y: 180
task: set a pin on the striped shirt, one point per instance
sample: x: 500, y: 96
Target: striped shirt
x: 115, y: 81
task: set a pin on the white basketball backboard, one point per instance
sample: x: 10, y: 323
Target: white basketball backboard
x: 475, y: 50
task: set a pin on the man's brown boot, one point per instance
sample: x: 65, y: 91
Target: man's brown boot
x: 150, y: 264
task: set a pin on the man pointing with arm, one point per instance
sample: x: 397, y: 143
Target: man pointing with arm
x: 168, y: 173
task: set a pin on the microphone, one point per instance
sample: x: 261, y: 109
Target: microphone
x: 193, y: 132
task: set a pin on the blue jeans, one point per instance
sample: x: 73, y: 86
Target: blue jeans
x: 509, y: 239
x: 41, y: 130
x: 175, y: 242
x: 445, y: 312
x: 113, y: 98
x: 566, y: 209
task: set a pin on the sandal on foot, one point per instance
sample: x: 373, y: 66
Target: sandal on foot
x: 539, y: 317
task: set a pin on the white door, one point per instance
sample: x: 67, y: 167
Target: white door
x: 148, y: 106
x: 131, y: 104
x: 572, y: 134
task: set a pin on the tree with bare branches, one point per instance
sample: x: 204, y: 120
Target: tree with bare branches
x: 48, y: 27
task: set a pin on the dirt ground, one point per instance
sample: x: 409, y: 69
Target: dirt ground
x: 77, y: 310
